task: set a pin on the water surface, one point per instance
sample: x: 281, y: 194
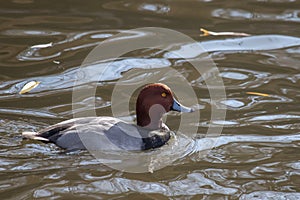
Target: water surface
x: 257, y: 155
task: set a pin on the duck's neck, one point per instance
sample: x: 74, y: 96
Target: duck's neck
x: 150, y: 118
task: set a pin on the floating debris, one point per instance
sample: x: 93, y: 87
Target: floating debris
x: 258, y: 93
x: 208, y: 33
x: 29, y: 86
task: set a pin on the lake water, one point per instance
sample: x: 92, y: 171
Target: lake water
x: 255, y: 157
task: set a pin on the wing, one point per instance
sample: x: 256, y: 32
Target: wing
x: 69, y: 134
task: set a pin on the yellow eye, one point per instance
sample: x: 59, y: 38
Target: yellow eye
x: 163, y: 94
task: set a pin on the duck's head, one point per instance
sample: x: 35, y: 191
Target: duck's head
x: 153, y: 101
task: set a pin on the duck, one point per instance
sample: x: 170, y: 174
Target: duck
x: 109, y: 133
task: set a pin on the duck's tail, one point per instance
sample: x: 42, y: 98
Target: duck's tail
x: 34, y: 136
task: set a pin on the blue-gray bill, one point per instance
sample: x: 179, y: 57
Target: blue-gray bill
x: 180, y: 108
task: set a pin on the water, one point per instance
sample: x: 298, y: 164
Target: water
x: 257, y: 155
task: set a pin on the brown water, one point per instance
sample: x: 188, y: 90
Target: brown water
x: 257, y: 155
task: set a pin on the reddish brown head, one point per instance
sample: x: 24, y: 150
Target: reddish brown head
x: 153, y: 101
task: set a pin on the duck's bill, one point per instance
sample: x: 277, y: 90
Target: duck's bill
x: 180, y: 108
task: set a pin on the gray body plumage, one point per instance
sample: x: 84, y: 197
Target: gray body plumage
x: 100, y: 133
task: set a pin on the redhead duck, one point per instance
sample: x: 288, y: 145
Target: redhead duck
x: 153, y: 102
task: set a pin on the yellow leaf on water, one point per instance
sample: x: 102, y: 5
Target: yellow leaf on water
x: 29, y: 86
x: 207, y: 33
x: 258, y: 93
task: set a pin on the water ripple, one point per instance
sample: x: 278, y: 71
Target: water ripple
x: 265, y: 195
x: 193, y: 184
x: 246, y: 44
x: 240, y: 14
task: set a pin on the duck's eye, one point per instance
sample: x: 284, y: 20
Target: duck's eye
x: 163, y: 94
